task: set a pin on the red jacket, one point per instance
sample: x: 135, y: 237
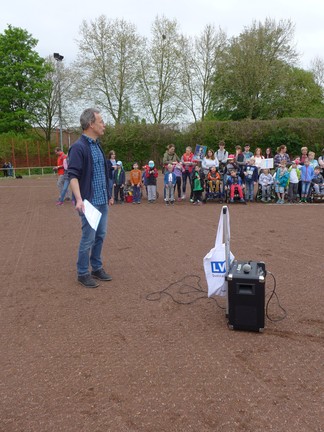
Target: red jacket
x: 188, y: 158
x: 60, y: 164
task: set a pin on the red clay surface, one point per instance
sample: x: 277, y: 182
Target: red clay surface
x: 108, y: 359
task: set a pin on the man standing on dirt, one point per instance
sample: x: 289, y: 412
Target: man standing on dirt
x: 89, y: 178
x: 59, y: 169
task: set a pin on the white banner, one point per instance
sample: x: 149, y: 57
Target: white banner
x: 215, y: 265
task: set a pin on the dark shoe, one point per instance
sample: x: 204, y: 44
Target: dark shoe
x: 87, y: 281
x: 101, y: 275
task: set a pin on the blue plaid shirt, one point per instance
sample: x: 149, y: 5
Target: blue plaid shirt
x: 99, y: 184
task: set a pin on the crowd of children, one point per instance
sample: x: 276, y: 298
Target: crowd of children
x: 240, y: 177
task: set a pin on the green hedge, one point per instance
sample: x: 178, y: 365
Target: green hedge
x: 141, y: 142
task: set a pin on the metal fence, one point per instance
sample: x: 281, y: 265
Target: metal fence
x: 29, y: 171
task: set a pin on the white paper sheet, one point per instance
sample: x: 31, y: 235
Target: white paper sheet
x: 92, y: 214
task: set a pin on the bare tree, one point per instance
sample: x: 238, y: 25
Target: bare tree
x: 317, y: 67
x: 158, y: 78
x: 107, y: 64
x: 198, y: 61
x: 60, y: 80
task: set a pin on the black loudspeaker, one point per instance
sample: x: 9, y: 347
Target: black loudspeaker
x: 246, y: 295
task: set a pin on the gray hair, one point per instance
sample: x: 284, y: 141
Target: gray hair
x: 88, y: 117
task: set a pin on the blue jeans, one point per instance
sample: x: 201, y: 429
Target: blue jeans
x: 186, y: 175
x: 110, y: 187
x: 64, y: 190
x: 305, y: 185
x: 91, y: 243
x: 136, y: 194
x: 249, y: 193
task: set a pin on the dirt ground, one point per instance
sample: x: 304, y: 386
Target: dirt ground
x: 78, y: 360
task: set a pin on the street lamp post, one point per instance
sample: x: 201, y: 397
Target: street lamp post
x: 58, y: 57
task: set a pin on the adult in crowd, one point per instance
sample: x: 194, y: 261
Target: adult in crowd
x: 281, y: 155
x: 303, y: 155
x: 247, y: 153
x: 89, y: 180
x: 65, y: 190
x: 268, y: 153
x: 188, y: 165
x: 5, y: 169
x: 221, y: 153
x: 10, y: 171
x: 59, y: 169
x: 209, y: 161
x: 258, y: 157
x: 170, y: 157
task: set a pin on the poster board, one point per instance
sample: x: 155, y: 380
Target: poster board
x: 200, y: 153
x: 267, y: 163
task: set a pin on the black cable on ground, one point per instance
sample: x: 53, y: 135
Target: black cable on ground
x: 274, y: 294
x: 185, y: 289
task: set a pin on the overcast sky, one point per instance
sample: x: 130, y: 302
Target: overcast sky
x: 56, y: 24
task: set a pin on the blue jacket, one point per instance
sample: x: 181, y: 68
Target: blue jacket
x: 166, y: 178
x: 234, y: 180
x: 81, y: 167
x: 306, y: 173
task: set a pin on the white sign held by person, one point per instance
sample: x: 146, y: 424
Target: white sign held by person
x: 267, y: 163
x: 215, y: 260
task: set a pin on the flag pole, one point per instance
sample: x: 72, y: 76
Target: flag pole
x: 226, y: 241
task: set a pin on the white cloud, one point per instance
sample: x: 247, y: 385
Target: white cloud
x: 57, y: 26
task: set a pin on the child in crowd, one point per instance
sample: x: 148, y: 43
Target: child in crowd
x: 281, y: 180
x: 306, y: 176
x: 151, y: 174
x: 136, y: 180
x: 251, y: 179
x: 266, y: 182
x: 240, y: 160
x: 213, y: 178
x: 197, y: 184
x: 178, y: 171
x: 170, y: 180
x: 112, y: 166
x: 294, y: 176
x: 312, y: 161
x: 318, y: 181
x: 298, y: 163
x: 235, y: 183
x: 119, y: 182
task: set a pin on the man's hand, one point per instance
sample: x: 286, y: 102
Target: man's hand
x: 79, y: 206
